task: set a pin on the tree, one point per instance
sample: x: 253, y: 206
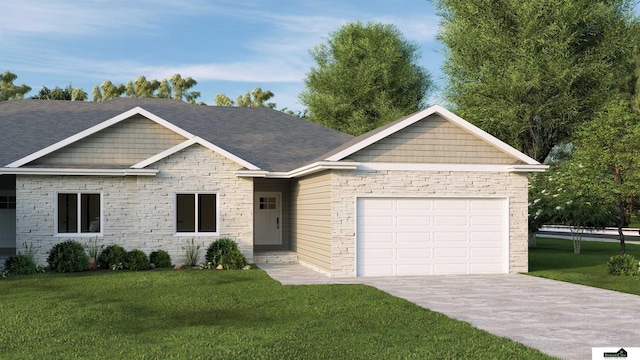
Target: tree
x: 557, y: 197
x: 255, y: 98
x: 8, y: 90
x: 530, y: 72
x: 607, y: 149
x: 366, y: 75
x: 175, y: 87
x: 58, y: 93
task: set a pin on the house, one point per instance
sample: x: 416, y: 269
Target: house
x: 427, y: 194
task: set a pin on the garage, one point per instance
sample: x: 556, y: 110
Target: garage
x: 431, y: 236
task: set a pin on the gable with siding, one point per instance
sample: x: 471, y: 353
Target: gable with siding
x: 434, y: 140
x: 121, y: 145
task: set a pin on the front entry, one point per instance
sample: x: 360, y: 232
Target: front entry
x: 267, y: 223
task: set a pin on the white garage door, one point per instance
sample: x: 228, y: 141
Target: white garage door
x: 427, y: 236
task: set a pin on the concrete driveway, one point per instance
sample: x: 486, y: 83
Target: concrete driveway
x: 560, y: 319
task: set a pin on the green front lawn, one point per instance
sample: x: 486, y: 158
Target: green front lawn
x: 190, y: 314
x: 554, y: 259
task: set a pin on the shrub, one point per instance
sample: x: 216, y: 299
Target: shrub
x: 160, y: 259
x: 20, y: 265
x: 112, y: 255
x: 136, y: 260
x: 68, y: 256
x: 191, y: 253
x: 233, y: 260
x: 218, y: 248
x: 623, y: 264
x: 93, y: 248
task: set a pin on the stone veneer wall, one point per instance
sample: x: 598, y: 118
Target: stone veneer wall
x: 139, y: 212
x: 348, y: 185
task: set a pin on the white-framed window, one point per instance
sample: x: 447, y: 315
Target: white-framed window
x: 196, y: 213
x: 78, y: 213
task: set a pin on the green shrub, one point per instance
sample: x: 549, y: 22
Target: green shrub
x: 623, y: 264
x: 136, y: 260
x: 20, y: 265
x: 112, y: 255
x: 233, y: 260
x: 68, y: 256
x: 219, y: 248
x: 160, y: 259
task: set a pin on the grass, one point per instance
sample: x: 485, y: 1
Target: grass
x: 554, y: 259
x: 191, y: 314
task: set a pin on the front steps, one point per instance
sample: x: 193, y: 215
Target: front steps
x: 275, y: 257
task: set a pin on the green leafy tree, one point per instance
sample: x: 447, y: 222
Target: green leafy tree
x: 8, y: 90
x: 256, y: 98
x: 175, y: 87
x: 558, y: 197
x: 58, y: 93
x: 606, y: 149
x: 366, y: 75
x: 530, y: 72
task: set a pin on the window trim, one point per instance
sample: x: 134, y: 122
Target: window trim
x: 79, y: 232
x: 196, y: 202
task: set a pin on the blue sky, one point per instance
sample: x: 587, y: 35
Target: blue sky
x: 228, y: 46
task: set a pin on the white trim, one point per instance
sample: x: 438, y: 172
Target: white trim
x: 301, y: 171
x: 423, y: 114
x: 94, y: 129
x: 451, y: 167
x: 89, y: 172
x: 187, y: 143
x: 79, y: 232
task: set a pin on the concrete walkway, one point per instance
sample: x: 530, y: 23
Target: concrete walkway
x: 560, y: 319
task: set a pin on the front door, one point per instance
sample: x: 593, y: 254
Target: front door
x: 267, y: 218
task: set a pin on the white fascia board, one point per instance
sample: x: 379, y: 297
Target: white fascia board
x: 192, y: 141
x: 85, y: 172
x: 428, y: 112
x: 451, y: 167
x: 251, y: 173
x: 302, y: 171
x: 94, y: 129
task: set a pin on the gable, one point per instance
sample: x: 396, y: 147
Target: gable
x: 120, y: 145
x: 433, y: 140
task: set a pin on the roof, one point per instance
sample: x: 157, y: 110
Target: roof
x: 267, y: 138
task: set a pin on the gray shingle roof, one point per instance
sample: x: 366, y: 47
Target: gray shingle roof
x: 267, y: 138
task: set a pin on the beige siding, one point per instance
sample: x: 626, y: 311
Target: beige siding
x: 311, y: 220
x: 121, y: 145
x: 281, y: 186
x: 433, y: 140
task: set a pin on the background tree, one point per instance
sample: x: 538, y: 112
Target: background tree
x: 531, y: 71
x: 58, y: 93
x: 558, y: 197
x: 175, y: 87
x: 606, y: 149
x: 366, y: 75
x: 255, y: 98
x: 8, y: 90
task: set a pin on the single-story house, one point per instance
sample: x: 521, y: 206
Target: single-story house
x: 427, y: 194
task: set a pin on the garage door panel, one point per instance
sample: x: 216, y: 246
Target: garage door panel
x: 421, y: 236
x: 449, y: 237
x: 453, y: 220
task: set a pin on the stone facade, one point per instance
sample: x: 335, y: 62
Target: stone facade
x: 348, y: 185
x: 139, y: 212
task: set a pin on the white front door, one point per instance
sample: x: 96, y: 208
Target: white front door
x: 267, y: 214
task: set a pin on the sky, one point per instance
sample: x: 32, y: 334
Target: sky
x: 229, y: 47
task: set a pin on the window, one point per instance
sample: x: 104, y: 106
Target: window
x: 196, y: 213
x: 7, y: 202
x: 79, y: 213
